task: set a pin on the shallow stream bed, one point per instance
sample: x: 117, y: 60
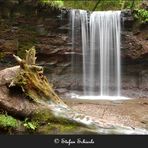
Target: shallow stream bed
x: 133, y: 113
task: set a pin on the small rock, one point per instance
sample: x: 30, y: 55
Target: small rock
x: 61, y: 90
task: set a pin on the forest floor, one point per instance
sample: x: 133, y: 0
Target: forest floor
x: 133, y: 113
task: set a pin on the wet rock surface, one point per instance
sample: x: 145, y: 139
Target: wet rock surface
x: 134, y: 45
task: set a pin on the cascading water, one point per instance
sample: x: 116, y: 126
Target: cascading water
x: 105, y: 47
x: 100, y: 37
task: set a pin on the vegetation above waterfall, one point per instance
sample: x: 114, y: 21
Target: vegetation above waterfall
x: 141, y: 15
x: 95, y: 4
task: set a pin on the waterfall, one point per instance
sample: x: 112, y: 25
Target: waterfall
x: 105, y: 50
x: 100, y: 40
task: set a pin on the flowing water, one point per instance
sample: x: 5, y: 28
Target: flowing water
x: 100, y: 44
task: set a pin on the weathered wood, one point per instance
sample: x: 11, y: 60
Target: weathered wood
x: 30, y: 56
x: 32, y: 81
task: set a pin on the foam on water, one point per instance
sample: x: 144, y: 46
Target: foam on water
x: 111, y: 98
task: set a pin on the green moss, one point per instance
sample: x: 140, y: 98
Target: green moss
x: 56, y: 128
x: 57, y: 3
x: 48, y: 124
x: 46, y: 116
x: 42, y: 116
x: 67, y: 128
x: 61, y: 128
x: 7, y: 121
x: 2, y: 55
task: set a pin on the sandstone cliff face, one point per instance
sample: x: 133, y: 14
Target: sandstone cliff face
x: 49, y: 31
x: 134, y: 53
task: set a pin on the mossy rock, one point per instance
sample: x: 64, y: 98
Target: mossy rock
x: 7, y: 121
x: 42, y: 116
x: 8, y: 124
x: 61, y: 129
x: 49, y: 124
x: 56, y: 128
x: 46, y: 116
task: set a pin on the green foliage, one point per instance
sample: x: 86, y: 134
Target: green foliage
x: 130, y: 4
x: 141, y: 15
x: 90, y: 4
x: 30, y: 125
x: 86, y: 5
x: 53, y: 3
x: 7, y: 121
